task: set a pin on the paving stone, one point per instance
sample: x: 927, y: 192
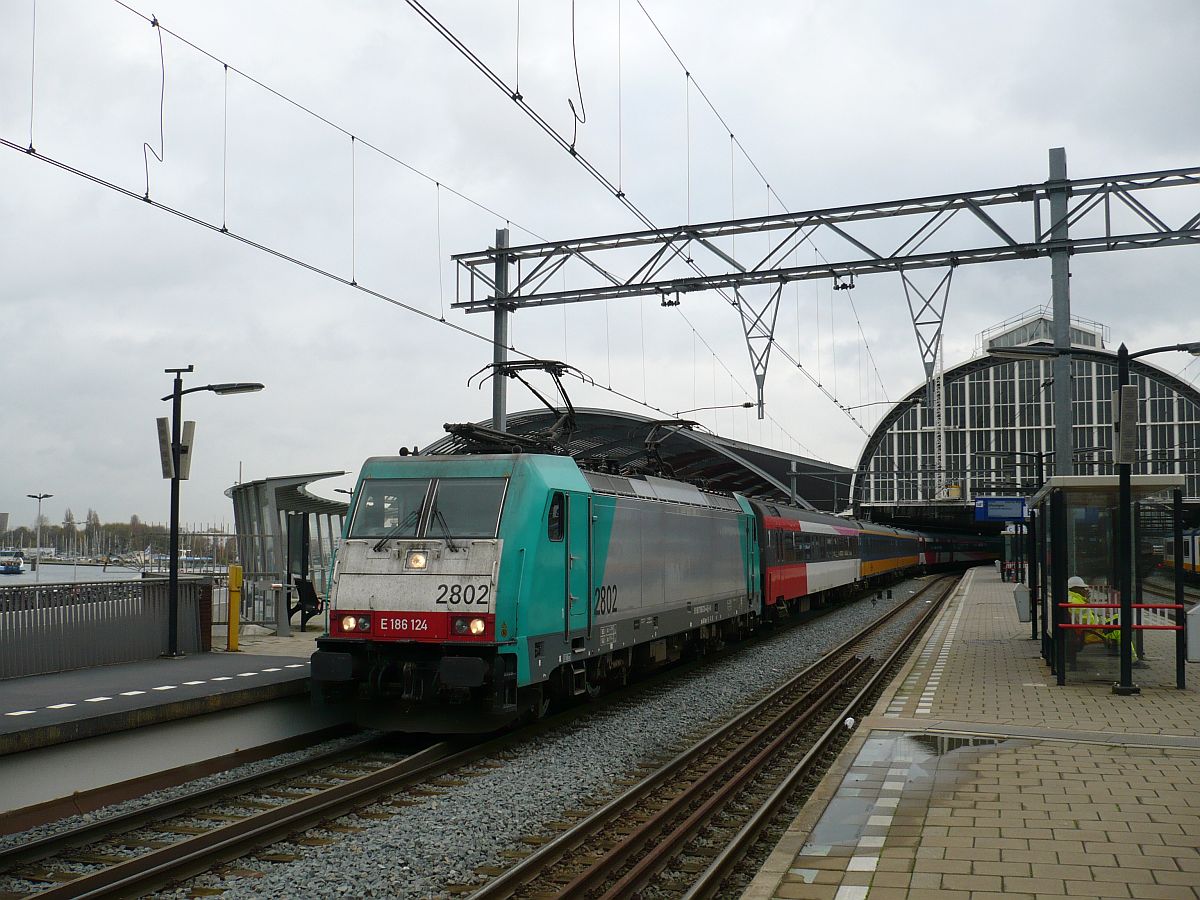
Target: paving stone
x: 1077, y: 794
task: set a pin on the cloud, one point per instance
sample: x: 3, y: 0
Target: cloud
x: 836, y: 103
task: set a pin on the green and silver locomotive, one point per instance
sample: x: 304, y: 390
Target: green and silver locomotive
x: 471, y: 591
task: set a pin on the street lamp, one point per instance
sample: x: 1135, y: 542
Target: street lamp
x: 176, y: 449
x: 39, y: 498
x: 746, y: 405
x: 1124, y: 451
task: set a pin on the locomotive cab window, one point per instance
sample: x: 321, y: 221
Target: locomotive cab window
x: 466, y: 507
x: 389, y: 507
x: 555, y: 517
x: 424, y: 507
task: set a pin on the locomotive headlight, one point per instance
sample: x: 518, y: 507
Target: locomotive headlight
x: 477, y: 626
x: 364, y: 623
x: 349, y: 623
x: 416, y: 559
x: 459, y: 626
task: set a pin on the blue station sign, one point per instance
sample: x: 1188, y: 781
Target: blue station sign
x: 999, y: 509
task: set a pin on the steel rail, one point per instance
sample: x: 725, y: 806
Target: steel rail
x: 660, y: 854
x: 548, y: 854
x: 41, y: 848
x: 719, y: 869
x: 195, y: 855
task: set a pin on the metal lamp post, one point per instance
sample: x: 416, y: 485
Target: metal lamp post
x: 1125, y: 450
x: 1124, y: 453
x: 176, y: 450
x: 39, y: 498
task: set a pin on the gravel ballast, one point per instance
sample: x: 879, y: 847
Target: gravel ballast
x: 441, y: 840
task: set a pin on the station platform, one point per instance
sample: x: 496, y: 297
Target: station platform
x: 43, y: 710
x: 976, y: 777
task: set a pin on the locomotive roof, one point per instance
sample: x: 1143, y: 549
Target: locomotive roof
x: 616, y: 442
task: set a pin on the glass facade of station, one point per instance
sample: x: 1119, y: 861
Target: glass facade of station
x: 995, y: 405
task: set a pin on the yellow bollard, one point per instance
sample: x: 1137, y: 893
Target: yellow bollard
x: 235, y: 607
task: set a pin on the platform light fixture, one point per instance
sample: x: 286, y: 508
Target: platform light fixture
x: 39, y: 497
x: 1124, y: 451
x: 176, y: 468
x: 747, y: 405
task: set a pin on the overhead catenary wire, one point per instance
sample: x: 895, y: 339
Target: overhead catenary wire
x: 263, y: 247
x: 162, y: 99
x: 310, y: 267
x: 223, y: 227
x: 225, y: 148
x: 607, y: 183
x: 32, y: 71
x: 517, y: 55
x: 620, y: 108
x: 323, y: 119
x: 735, y: 142
x: 353, y: 217
x: 441, y: 288
x: 580, y: 115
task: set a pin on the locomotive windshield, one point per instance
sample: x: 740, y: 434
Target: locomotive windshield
x: 467, y: 507
x: 390, y: 508
x: 420, y: 507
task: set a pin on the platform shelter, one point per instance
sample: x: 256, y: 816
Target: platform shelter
x: 1075, y: 573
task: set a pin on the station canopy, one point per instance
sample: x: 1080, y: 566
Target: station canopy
x: 610, y: 440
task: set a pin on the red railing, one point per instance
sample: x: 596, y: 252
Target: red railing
x: 1115, y: 626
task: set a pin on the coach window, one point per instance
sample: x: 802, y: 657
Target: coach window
x: 554, y: 521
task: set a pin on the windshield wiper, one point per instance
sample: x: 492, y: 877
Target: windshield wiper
x: 410, y: 519
x: 441, y: 520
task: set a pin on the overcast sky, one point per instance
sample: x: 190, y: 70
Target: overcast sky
x: 836, y: 103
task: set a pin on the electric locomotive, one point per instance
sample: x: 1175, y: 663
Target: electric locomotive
x: 471, y: 590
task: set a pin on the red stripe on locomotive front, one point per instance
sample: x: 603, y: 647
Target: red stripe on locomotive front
x: 402, y: 625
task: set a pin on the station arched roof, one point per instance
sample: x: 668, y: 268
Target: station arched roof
x: 916, y: 397
x: 615, y: 439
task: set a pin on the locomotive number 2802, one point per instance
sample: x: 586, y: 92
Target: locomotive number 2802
x: 606, y: 599
x: 463, y: 594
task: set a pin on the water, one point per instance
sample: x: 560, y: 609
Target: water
x: 60, y: 574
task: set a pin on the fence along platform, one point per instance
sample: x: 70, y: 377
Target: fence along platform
x: 55, y: 627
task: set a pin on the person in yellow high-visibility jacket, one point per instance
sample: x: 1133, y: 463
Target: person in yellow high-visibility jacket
x: 1078, y: 592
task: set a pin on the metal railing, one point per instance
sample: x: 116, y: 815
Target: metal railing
x: 54, y: 627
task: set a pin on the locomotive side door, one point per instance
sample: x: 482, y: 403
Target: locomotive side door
x: 579, y: 562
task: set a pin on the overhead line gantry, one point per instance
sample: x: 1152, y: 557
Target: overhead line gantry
x: 1050, y: 210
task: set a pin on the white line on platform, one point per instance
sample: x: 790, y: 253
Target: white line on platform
x: 273, y: 670
x: 131, y: 693
x: 193, y: 683
x: 223, y: 678
x: 166, y: 687
x: 246, y: 674
x: 96, y: 699
x: 22, y: 712
x: 295, y: 665
x: 60, y: 706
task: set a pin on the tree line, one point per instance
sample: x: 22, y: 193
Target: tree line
x: 92, y: 538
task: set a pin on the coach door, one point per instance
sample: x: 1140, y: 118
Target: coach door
x: 579, y: 562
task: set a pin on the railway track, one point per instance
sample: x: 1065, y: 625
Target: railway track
x: 167, y: 843
x: 684, y: 828
x: 137, y: 851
